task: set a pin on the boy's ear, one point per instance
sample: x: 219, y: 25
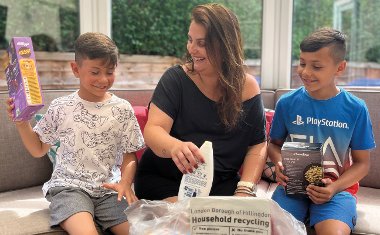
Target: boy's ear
x: 341, y: 67
x: 74, y: 68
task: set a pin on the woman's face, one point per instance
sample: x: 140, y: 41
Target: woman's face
x: 196, y: 46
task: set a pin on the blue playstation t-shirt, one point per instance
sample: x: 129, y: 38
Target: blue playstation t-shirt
x: 340, y: 123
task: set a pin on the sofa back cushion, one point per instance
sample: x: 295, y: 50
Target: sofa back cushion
x: 18, y: 169
x: 268, y: 98
x: 371, y: 98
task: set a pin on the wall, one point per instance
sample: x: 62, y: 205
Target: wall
x: 134, y: 71
x: 141, y: 71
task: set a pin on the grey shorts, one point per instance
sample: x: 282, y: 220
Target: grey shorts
x: 107, y: 211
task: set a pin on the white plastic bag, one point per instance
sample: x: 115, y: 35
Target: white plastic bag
x: 158, y: 217
x: 284, y: 223
x: 164, y: 218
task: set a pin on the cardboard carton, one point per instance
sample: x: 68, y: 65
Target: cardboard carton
x: 22, y: 79
x: 303, y: 165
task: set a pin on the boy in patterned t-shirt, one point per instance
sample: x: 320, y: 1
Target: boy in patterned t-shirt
x: 98, y: 134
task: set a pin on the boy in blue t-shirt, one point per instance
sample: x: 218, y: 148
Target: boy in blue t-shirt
x: 320, y: 112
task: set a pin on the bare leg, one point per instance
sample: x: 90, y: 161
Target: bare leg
x: 80, y: 223
x: 332, y: 227
x: 120, y: 229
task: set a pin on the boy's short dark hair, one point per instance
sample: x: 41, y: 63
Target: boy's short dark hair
x: 96, y: 46
x: 326, y: 37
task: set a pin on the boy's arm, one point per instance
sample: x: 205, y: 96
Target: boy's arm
x: 358, y: 169
x: 128, y: 169
x: 274, y: 153
x: 124, y: 186
x: 31, y: 140
x: 185, y: 155
x: 356, y: 172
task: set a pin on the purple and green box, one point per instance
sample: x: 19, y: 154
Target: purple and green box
x: 22, y: 79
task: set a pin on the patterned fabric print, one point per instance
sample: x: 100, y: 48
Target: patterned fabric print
x: 93, y: 137
x: 52, y: 152
x: 90, y: 120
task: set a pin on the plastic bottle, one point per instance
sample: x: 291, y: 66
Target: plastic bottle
x: 199, y: 182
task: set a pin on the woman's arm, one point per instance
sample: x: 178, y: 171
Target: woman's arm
x: 254, y: 163
x: 274, y: 154
x: 256, y: 155
x: 185, y: 155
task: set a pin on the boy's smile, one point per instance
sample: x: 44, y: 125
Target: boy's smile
x: 95, y: 79
x: 318, y: 70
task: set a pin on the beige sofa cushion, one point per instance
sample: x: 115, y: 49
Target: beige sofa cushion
x: 25, y: 208
x: 26, y: 212
x: 18, y: 168
x: 368, y: 209
x: 372, y: 100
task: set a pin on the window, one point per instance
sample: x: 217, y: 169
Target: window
x: 358, y: 20
x: 160, y: 27
x: 53, y: 25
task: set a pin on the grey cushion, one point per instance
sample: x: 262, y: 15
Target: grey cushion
x: 18, y: 168
x: 26, y: 207
x: 372, y: 99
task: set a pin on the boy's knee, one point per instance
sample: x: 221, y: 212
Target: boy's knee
x: 332, y: 227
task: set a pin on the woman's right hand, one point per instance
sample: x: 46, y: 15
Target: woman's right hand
x: 187, y: 156
x: 280, y: 177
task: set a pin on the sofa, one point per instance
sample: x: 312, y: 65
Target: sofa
x: 24, y: 210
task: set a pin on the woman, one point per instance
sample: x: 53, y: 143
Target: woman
x: 210, y: 97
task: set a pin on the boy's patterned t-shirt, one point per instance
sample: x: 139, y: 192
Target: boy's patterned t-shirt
x: 93, y: 139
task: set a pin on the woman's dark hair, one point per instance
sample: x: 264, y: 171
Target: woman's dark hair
x: 224, y: 49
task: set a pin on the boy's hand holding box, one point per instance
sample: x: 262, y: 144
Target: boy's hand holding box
x: 303, y: 165
x: 22, y: 79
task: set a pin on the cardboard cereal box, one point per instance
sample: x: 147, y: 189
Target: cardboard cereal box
x: 303, y: 165
x: 22, y: 79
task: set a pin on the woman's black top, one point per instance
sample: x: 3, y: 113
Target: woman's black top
x: 195, y: 119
